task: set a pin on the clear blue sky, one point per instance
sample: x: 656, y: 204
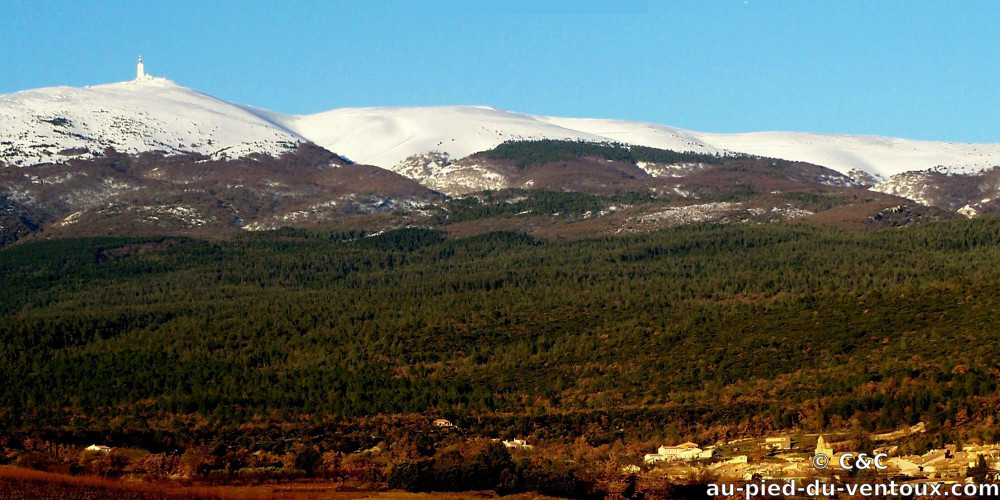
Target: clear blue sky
x: 917, y: 69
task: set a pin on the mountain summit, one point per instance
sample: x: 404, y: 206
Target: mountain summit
x: 151, y: 114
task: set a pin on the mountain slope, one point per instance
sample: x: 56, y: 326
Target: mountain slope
x: 55, y: 124
x: 388, y: 136
x: 192, y: 194
x: 880, y: 156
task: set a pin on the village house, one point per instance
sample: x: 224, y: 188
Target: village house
x: 443, y: 422
x: 98, y: 447
x: 734, y: 468
x: 905, y: 466
x: 778, y: 443
x: 935, y: 463
x: 797, y: 469
x: 683, y: 451
x: 938, y: 463
x: 990, y: 451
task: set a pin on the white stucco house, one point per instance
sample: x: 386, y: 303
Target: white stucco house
x: 684, y: 451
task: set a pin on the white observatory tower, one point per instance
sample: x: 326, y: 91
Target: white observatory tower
x: 140, y: 72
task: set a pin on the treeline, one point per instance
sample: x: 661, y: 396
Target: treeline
x: 700, y: 329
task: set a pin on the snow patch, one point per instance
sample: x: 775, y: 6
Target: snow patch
x: 671, y: 170
x: 690, y: 214
x: 968, y: 211
x: 910, y: 185
x: 725, y: 212
x: 437, y: 171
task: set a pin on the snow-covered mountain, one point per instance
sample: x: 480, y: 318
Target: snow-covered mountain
x: 55, y: 124
x: 69, y: 167
x: 387, y: 136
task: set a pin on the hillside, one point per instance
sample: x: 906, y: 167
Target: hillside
x: 120, y: 194
x: 562, y: 189
x: 698, y: 332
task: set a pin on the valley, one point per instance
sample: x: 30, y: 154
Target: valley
x: 207, y: 295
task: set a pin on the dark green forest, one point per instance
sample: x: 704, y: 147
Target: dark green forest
x: 527, y: 152
x: 724, y: 329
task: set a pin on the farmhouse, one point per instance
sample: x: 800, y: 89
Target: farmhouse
x: 683, y: 451
x: 517, y: 443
